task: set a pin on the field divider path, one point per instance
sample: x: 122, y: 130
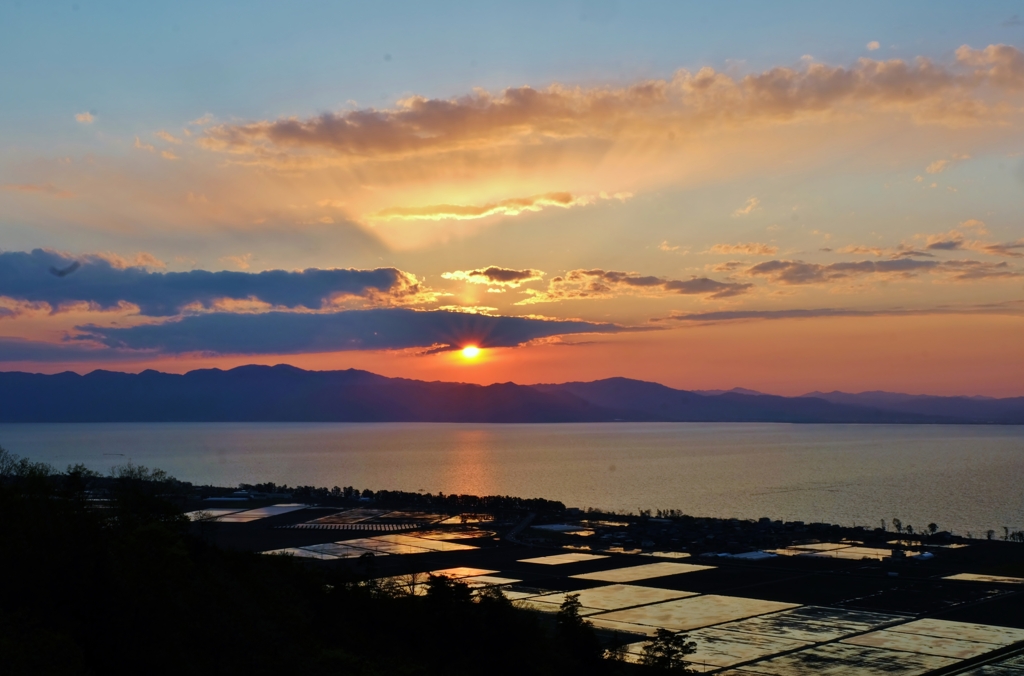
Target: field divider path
x: 519, y: 528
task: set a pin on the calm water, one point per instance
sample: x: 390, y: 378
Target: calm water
x: 965, y: 478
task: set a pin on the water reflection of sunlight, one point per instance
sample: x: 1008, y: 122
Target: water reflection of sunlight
x: 472, y: 471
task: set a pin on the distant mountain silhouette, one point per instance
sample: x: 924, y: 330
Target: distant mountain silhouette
x: 967, y: 409
x: 735, y: 390
x: 284, y: 393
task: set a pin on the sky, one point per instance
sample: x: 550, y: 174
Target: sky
x: 786, y: 197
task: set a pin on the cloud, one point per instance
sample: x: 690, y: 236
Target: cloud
x: 950, y: 241
x: 142, y: 259
x: 477, y: 152
x: 647, y: 110
x: 105, y: 285
x: 728, y: 266
x: 495, y: 276
x: 798, y: 272
x: 85, y: 118
x: 168, y: 155
x: 10, y: 309
x: 872, y: 46
x: 665, y: 246
x: 1000, y: 65
x: 242, y: 262
x: 594, y: 284
x: 294, y: 333
x: 968, y: 271
x: 22, y: 350
x: 861, y: 250
x: 1011, y: 249
x: 168, y: 137
x: 1008, y: 308
x: 749, y: 248
x: 955, y: 241
x: 44, y: 189
x: 144, y: 146
x: 937, y: 167
x: 507, y: 207
x: 470, y: 309
x: 751, y: 205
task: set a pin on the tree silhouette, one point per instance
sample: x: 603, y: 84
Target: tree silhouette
x: 577, y: 633
x: 667, y: 651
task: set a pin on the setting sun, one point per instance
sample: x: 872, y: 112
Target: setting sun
x: 470, y: 351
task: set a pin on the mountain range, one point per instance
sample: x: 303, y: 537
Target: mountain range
x: 284, y: 393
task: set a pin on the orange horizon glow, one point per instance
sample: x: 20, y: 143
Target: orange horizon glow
x: 937, y: 355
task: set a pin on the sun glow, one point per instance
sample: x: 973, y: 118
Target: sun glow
x: 471, y: 352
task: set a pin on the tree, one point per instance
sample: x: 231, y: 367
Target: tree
x: 443, y: 589
x: 897, y: 525
x: 616, y: 653
x: 933, y: 528
x: 576, y: 633
x: 491, y: 596
x: 667, y: 651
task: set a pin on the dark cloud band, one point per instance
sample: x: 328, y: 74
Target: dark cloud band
x: 59, y: 280
x: 293, y: 333
x: 1014, y: 308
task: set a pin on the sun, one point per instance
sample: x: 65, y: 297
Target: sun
x: 471, y: 352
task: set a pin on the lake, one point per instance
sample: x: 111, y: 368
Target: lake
x: 964, y: 478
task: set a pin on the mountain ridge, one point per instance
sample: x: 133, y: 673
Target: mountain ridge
x: 284, y: 393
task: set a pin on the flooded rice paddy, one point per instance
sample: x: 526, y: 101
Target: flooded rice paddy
x: 632, y: 597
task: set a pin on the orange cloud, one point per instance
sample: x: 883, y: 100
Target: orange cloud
x: 1013, y: 249
x: 749, y: 248
x: 496, y: 276
x: 85, y: 118
x: 750, y: 206
x: 526, y: 115
x: 168, y: 137
x: 45, y: 189
x: 1002, y: 65
x: 599, y: 284
x: 790, y: 272
x: 459, y: 163
x: 508, y: 207
x: 861, y: 250
x: 242, y: 262
x: 144, y: 146
x: 142, y: 259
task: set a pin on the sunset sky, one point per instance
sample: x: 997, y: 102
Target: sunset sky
x: 784, y: 197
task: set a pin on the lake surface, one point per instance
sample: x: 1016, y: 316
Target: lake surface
x: 964, y: 478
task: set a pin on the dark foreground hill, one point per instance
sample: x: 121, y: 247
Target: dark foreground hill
x: 285, y: 393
